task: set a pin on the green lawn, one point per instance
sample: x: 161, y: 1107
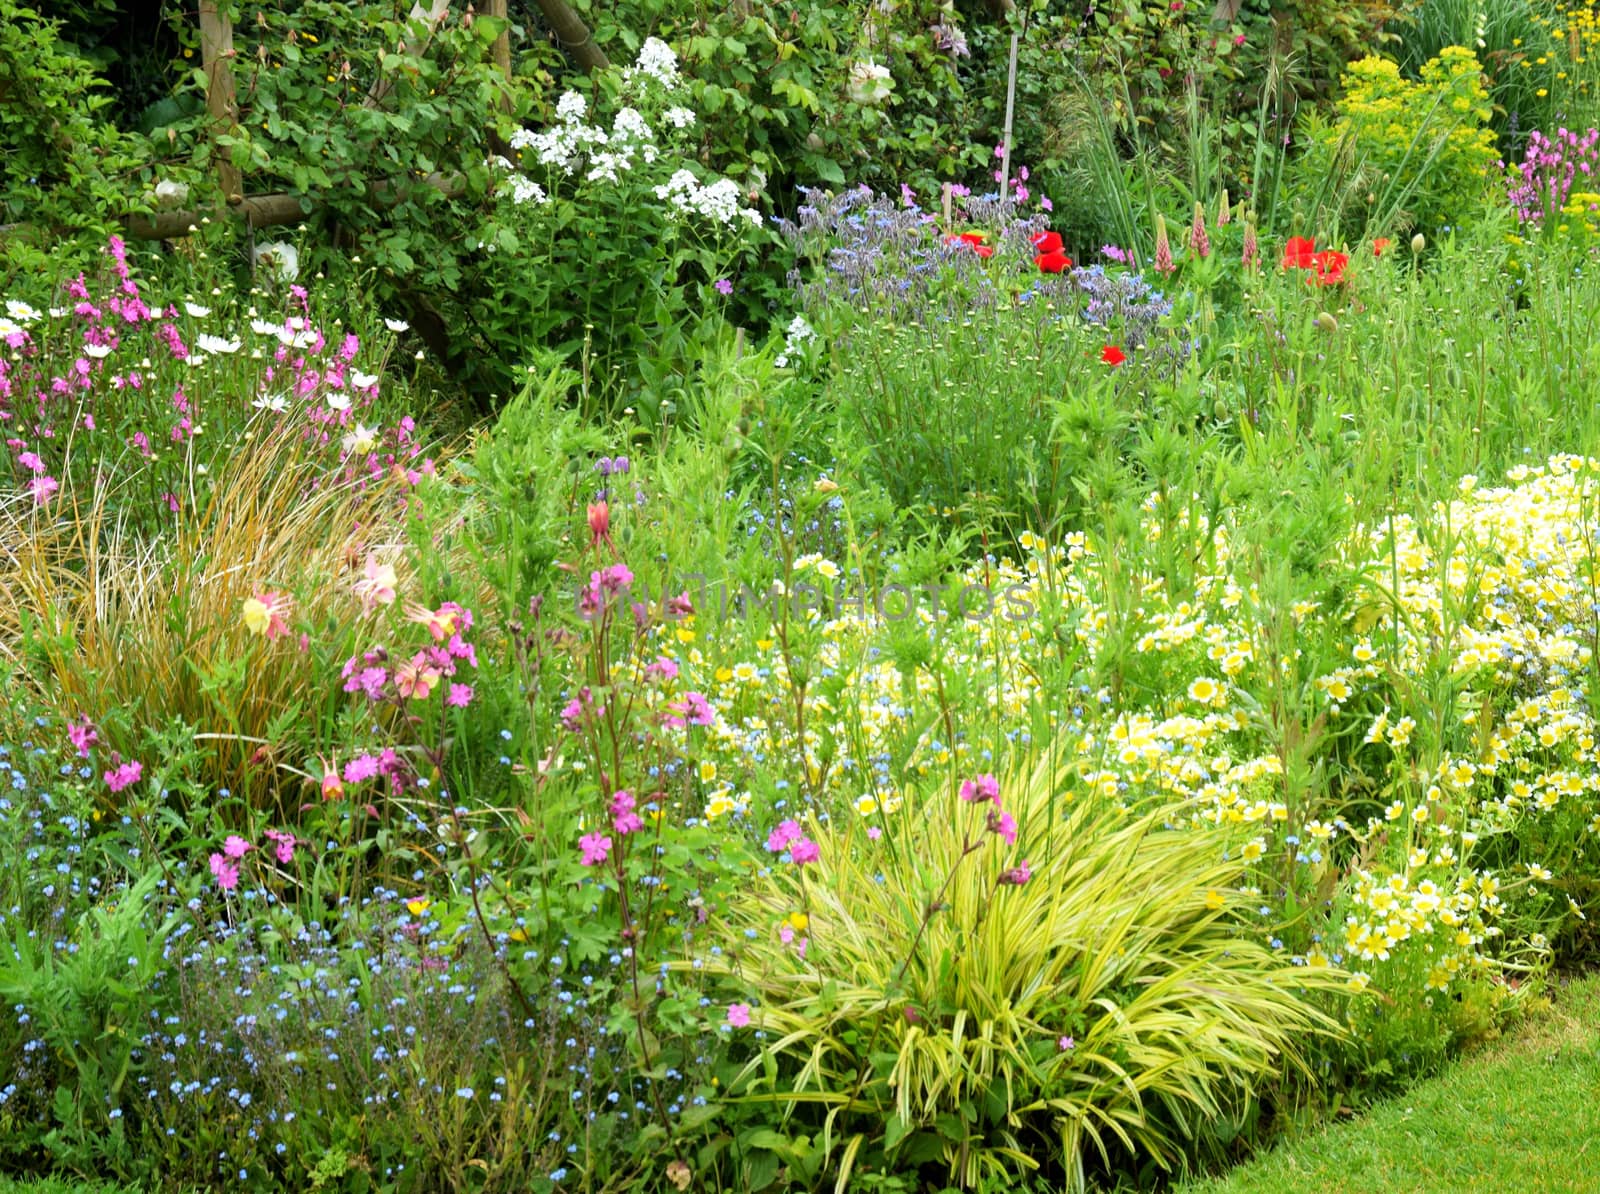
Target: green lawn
x: 1523, y: 1114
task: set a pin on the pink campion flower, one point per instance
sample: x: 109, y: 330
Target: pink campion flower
x: 31, y: 462
x: 235, y: 846
x: 984, y: 787
x: 360, y: 768
x: 1018, y: 875
x: 82, y: 734
x: 460, y: 696
x: 283, y: 844
x: 663, y: 669
x: 225, y: 872
x: 739, y: 1015
x: 595, y: 847
x: 623, y: 817
x: 123, y: 775
x: 41, y: 488
x: 803, y: 851
x: 692, y: 708
x: 1002, y: 823
x: 785, y: 832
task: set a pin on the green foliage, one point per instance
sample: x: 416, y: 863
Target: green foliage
x: 949, y: 1010
x: 1401, y: 152
x: 66, y: 169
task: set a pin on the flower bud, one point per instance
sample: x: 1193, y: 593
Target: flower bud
x: 1418, y: 243
x: 1327, y: 322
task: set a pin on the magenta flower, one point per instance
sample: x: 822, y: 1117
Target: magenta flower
x: 595, y: 847
x: 1004, y: 824
x: 787, y: 831
x: 283, y: 844
x: 739, y: 1015
x: 225, y: 872
x: 623, y: 817
x: 984, y: 787
x: 82, y: 734
x: 723, y: 286
x: 359, y: 768
x: 460, y: 696
x: 1017, y: 875
x: 804, y: 850
x: 236, y: 847
x: 124, y: 775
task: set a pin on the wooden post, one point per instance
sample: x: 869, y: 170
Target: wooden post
x: 501, y: 49
x: 216, y: 57
x: 1011, y: 101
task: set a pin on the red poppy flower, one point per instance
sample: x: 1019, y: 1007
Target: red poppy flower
x: 1047, y: 243
x: 1112, y: 355
x: 1379, y: 245
x: 1298, y: 253
x: 1053, y: 263
x: 975, y: 241
x: 1329, y: 265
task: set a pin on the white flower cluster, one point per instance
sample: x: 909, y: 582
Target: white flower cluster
x: 563, y: 144
x: 679, y: 118
x: 718, y: 202
x: 656, y: 61
x: 798, y: 333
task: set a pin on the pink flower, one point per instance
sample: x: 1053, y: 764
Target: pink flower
x: 595, y: 847
x: 441, y: 622
x: 235, y: 846
x: 376, y: 586
x: 787, y: 831
x: 739, y: 1015
x: 1004, y: 824
x: 1066, y: 1044
x: 125, y: 775
x: 460, y: 696
x: 804, y: 850
x: 693, y: 708
x: 283, y: 844
x: 623, y: 819
x: 984, y: 787
x: 416, y: 678
x: 1017, y: 875
x: 263, y: 615
x: 82, y: 734
x: 359, y: 768
x: 41, y: 488
x: 663, y: 669
x: 225, y: 872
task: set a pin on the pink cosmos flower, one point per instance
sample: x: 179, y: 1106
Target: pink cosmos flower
x: 595, y: 847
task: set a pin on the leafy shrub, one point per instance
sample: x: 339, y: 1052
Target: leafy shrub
x: 1420, y: 152
x: 992, y: 1005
